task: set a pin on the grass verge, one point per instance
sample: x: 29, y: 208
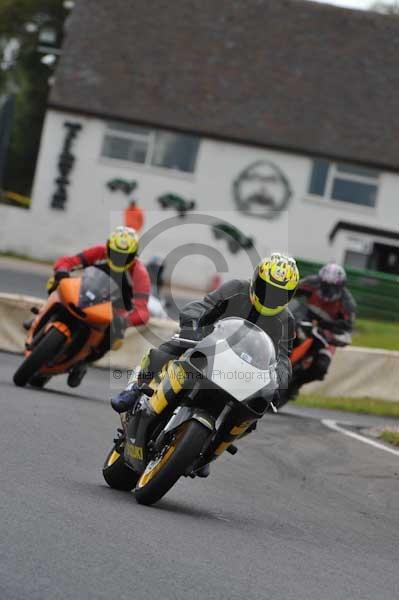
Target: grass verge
x: 392, y: 437
x: 368, y: 406
x: 376, y: 334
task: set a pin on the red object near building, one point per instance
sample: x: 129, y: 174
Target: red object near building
x: 134, y: 216
x: 215, y: 282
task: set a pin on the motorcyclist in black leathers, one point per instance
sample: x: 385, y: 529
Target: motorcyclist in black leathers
x: 262, y: 300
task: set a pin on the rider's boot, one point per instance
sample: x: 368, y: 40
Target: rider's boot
x: 127, y: 399
x: 76, y: 374
x: 203, y: 471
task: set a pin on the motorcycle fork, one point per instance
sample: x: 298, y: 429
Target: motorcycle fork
x: 138, y: 430
x: 230, y: 427
x: 38, y: 327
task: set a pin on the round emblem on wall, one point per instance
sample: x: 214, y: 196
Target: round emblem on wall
x: 262, y: 190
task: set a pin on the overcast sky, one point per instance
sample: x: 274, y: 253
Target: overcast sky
x: 360, y: 4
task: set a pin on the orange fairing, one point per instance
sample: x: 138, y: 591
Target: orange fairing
x: 63, y: 366
x: 299, y: 352
x: 61, y: 327
x: 51, y: 300
x: 98, y: 317
x: 69, y: 289
x: 100, y: 314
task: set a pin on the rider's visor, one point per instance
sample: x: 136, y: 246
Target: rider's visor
x: 270, y: 295
x: 120, y: 260
x: 330, y: 291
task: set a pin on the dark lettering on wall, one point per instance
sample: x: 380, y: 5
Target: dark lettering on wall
x: 65, y: 163
x: 127, y: 187
x: 262, y: 190
x: 177, y: 203
x: 235, y: 239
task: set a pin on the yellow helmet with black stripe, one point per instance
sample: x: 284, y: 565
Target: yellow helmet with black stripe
x: 122, y: 248
x: 273, y: 284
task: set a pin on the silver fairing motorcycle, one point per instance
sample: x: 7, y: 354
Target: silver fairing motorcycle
x: 222, y: 385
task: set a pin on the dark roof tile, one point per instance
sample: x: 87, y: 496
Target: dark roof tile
x: 290, y: 74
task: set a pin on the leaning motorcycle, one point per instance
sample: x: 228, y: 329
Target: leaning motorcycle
x: 223, y: 384
x: 71, y: 323
x: 314, y: 333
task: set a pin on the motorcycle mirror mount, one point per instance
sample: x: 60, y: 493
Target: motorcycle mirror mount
x: 272, y: 406
x: 306, y: 324
x: 147, y: 390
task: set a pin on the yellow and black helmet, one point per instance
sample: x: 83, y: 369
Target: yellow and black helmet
x: 122, y: 248
x: 273, y: 284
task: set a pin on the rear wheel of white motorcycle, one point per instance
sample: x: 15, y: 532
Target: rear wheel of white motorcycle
x: 117, y: 474
x: 171, y: 462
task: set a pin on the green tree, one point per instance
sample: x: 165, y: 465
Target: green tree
x: 22, y: 25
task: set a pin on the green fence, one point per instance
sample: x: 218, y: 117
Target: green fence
x: 376, y: 294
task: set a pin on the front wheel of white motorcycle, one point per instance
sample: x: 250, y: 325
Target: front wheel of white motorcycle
x: 116, y: 473
x: 171, y: 462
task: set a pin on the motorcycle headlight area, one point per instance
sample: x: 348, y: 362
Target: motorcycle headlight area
x: 199, y: 361
x: 237, y: 356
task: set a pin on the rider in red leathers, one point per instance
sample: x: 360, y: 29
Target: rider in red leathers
x: 328, y: 293
x: 117, y: 258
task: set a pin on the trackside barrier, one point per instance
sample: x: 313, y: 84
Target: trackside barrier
x: 355, y: 372
x: 359, y: 373
x: 14, y: 309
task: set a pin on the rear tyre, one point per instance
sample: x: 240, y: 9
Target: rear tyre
x: 117, y: 474
x: 288, y: 395
x: 39, y: 381
x: 171, y: 463
x: 284, y: 398
x: 46, y: 349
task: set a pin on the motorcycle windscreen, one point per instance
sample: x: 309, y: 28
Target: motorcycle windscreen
x: 241, y: 357
x: 97, y: 287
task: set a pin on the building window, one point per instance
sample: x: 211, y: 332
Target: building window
x: 356, y: 260
x: 344, y: 183
x: 150, y: 147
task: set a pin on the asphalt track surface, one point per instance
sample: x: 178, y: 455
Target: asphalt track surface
x: 301, y: 512
x: 22, y: 278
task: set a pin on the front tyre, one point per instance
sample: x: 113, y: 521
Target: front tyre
x: 171, y: 462
x: 46, y: 350
x: 117, y: 474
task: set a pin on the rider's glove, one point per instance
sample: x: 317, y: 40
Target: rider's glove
x: 341, y: 324
x: 119, y: 325
x: 51, y: 284
x: 58, y: 275
x: 54, y: 280
x: 195, y: 333
x: 190, y: 334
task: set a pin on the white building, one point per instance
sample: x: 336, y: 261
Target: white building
x: 294, y: 144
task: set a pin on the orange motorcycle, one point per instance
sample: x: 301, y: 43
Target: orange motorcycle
x: 314, y: 333
x: 69, y: 326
